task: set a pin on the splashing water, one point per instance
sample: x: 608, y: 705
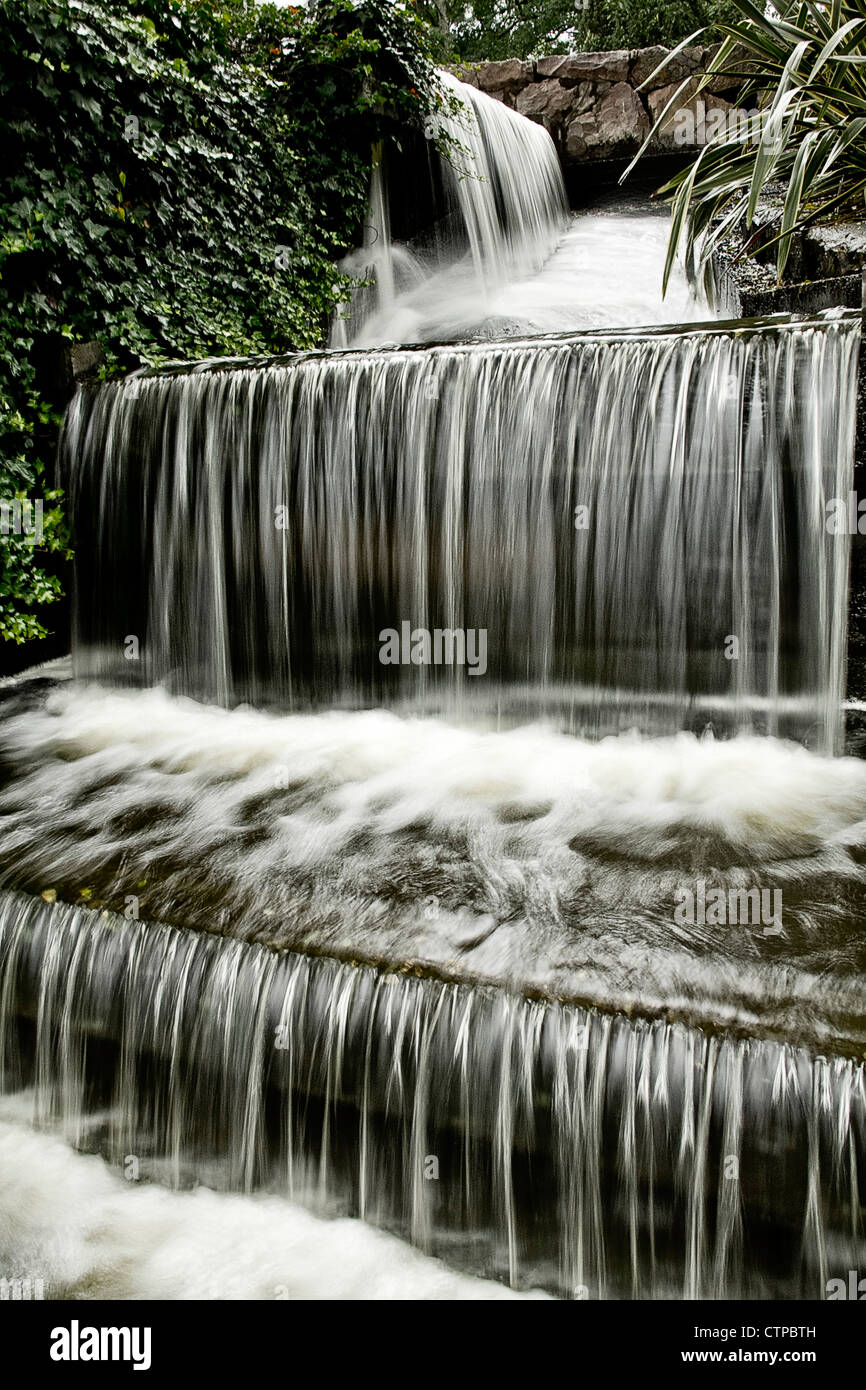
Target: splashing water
x: 425, y: 975
x: 527, y: 857
x: 87, y: 1232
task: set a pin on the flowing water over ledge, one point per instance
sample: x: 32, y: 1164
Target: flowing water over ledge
x: 607, y: 509
x: 498, y: 212
x: 525, y: 857
x: 377, y: 951
x: 535, y: 1142
x: 88, y: 1232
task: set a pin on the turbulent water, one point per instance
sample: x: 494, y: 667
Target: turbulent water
x: 609, y: 513
x: 504, y: 258
x: 528, y: 857
x: 85, y: 1231
x: 603, y: 274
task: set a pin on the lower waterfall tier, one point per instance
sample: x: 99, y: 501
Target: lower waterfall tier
x: 542, y: 1144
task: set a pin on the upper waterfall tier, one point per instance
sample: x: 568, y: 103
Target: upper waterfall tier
x: 611, y: 529
x: 502, y: 210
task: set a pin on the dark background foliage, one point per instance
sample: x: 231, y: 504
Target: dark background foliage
x: 484, y: 29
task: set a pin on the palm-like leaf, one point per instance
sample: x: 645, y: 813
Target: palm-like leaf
x: 804, y: 67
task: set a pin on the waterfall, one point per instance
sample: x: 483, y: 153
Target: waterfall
x: 431, y: 971
x: 635, y: 521
x: 539, y: 1142
x: 505, y: 211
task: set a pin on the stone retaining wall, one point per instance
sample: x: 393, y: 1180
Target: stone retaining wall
x: 590, y: 103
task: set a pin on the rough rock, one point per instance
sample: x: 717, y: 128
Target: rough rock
x: 586, y: 67
x: 669, y: 137
x: 617, y: 125
x: 589, y: 101
x: 576, y: 148
x: 468, y: 73
x: 509, y: 75
x: 85, y: 359
x: 646, y: 60
x: 545, y: 101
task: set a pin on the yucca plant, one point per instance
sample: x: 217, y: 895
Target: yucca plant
x: 803, y: 67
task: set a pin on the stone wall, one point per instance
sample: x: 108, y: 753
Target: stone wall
x: 590, y: 103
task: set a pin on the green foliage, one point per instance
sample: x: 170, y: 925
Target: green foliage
x: 642, y: 23
x: 805, y: 70
x: 485, y: 29
x: 181, y: 176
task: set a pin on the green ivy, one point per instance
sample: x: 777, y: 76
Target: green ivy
x: 182, y: 178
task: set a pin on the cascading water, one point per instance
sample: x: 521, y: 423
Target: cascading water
x: 606, y: 510
x: 426, y: 975
x: 586, y: 1153
x: 505, y: 212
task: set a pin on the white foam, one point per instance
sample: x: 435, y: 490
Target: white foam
x: 89, y: 1233
x: 376, y: 770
